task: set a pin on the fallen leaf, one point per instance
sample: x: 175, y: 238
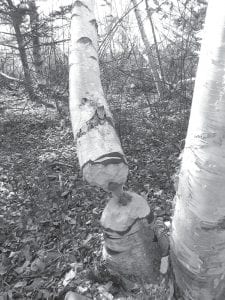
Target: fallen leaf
x: 89, y: 237
x: 81, y: 289
x: 73, y: 178
x: 20, y: 284
x: 95, y: 211
x: 37, y: 283
x: 21, y: 269
x: 12, y: 254
x: 37, y: 265
x: 26, y: 252
x: 106, y: 296
x: 65, y: 193
x: 158, y: 193
x: 3, y: 269
x: 75, y: 296
x: 45, y: 294
x: 69, y: 276
x: 52, y: 177
x: 70, y: 220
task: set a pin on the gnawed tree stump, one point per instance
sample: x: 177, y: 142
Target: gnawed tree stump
x: 130, y: 248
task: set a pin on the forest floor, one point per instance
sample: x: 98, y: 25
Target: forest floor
x: 50, y: 237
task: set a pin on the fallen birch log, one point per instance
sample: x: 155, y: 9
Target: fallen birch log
x: 98, y: 147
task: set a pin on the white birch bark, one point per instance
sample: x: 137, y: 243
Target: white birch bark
x: 98, y: 147
x: 198, y: 228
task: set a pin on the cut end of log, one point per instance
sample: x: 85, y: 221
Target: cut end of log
x: 105, y: 175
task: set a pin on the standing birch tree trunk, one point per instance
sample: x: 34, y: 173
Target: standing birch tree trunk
x: 130, y: 248
x: 151, y: 58
x: 149, y: 14
x: 198, y: 228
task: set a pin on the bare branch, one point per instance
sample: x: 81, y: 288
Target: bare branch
x: 9, y: 33
x: 10, y: 77
x: 7, y: 45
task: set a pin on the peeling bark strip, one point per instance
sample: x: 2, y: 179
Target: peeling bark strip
x: 106, y: 159
x: 92, y: 122
x: 99, y: 118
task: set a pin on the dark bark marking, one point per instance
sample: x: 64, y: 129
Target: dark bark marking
x: 221, y: 224
x: 75, y: 15
x: 108, y: 161
x: 112, y: 154
x: 110, y: 158
x: 108, y: 236
x: 84, y: 101
x: 101, y: 112
x: 93, y: 57
x: 85, y: 40
x: 94, y: 23
x: 112, y: 252
x: 122, y: 233
x: 80, y: 4
x: 99, y: 118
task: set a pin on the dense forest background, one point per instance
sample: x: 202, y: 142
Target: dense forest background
x: 50, y: 238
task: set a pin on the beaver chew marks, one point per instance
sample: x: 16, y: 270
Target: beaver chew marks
x: 106, y: 170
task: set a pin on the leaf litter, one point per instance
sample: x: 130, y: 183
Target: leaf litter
x: 50, y: 237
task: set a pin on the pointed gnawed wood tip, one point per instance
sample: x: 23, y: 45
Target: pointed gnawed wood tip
x: 118, y: 217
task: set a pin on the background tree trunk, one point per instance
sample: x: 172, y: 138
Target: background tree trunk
x: 16, y: 16
x: 37, y: 57
x: 198, y: 236
x: 152, y: 62
x: 23, y: 56
x: 149, y: 14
